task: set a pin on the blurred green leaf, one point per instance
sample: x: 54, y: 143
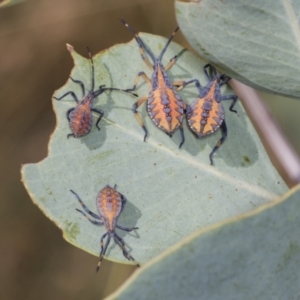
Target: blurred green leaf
x: 5, y: 3
x: 254, y: 256
x: 171, y: 192
x: 256, y: 42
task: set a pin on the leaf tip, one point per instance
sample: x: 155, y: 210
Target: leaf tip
x: 70, y: 48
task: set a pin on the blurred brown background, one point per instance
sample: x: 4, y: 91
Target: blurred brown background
x: 35, y: 262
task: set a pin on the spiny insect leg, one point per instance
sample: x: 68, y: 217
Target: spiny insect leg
x: 101, y: 113
x: 234, y: 100
x: 138, y: 116
x: 84, y: 206
x: 220, y: 142
x: 88, y: 218
x: 81, y: 84
x: 126, y: 228
x: 119, y: 241
x: 144, y: 76
x: 103, y: 250
x: 68, y: 93
x: 68, y: 113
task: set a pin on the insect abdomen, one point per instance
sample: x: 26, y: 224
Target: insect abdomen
x: 109, y: 204
x: 205, y: 116
x: 81, y: 120
x: 165, y: 108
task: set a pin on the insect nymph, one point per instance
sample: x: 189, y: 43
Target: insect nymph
x: 164, y: 105
x: 110, y: 204
x: 80, y: 117
x: 206, y: 114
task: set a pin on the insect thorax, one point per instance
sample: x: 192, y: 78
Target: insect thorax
x: 88, y: 99
x: 81, y: 120
x: 160, y: 78
x: 211, y: 90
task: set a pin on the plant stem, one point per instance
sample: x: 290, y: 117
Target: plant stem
x: 282, y: 154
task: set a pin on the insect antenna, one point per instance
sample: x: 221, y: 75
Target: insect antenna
x: 93, y: 69
x: 167, y: 44
x: 140, y: 41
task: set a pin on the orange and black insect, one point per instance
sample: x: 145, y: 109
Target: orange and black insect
x: 80, y: 117
x: 206, y: 114
x: 164, y: 105
x: 110, y: 203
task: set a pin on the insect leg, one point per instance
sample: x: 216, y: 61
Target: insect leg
x: 103, y: 250
x: 93, y: 68
x: 234, y: 100
x: 224, y: 79
x: 220, y: 142
x: 102, y: 89
x: 183, y: 84
x: 171, y: 63
x: 119, y: 241
x: 142, y: 47
x: 101, y: 113
x: 88, y: 218
x: 68, y: 93
x: 124, y: 200
x: 70, y: 134
x: 81, y: 84
x: 181, y: 127
x: 68, y: 113
x: 144, y: 76
x: 126, y: 228
x: 145, y: 58
x: 213, y: 71
x: 85, y: 207
x: 138, y: 116
x: 179, y: 84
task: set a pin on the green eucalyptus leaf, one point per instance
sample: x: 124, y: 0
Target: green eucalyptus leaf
x: 253, y: 256
x: 256, y: 42
x: 171, y: 192
x: 5, y: 3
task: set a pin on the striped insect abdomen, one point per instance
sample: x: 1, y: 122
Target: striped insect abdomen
x: 164, y: 105
x: 205, y: 115
x: 165, y: 108
x: 81, y: 119
x: 109, y: 204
